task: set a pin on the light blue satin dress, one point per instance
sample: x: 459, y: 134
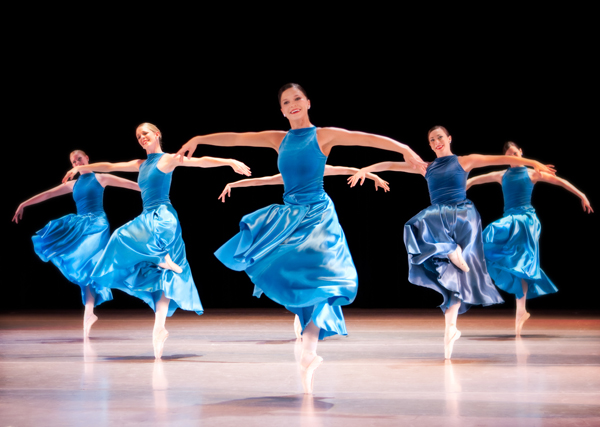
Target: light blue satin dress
x: 511, y: 244
x: 435, y: 232
x: 130, y: 260
x: 74, y: 243
x: 296, y: 253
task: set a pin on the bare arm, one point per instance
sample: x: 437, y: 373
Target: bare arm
x: 48, y: 194
x: 115, y: 181
x: 484, y: 179
x: 380, y: 167
x: 253, y: 182
x: 132, y: 166
x: 553, y: 179
x: 268, y: 139
x: 473, y: 161
x: 330, y: 137
x: 170, y: 161
x: 343, y: 170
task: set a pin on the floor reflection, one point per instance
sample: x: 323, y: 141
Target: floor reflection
x: 453, y: 389
x: 160, y: 384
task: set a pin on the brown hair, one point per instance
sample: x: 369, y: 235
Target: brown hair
x: 77, y: 151
x: 438, y: 127
x: 290, y: 86
x: 509, y: 144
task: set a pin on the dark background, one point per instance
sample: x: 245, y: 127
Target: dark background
x: 65, y: 95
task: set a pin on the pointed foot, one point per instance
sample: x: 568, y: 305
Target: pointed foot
x: 520, y: 322
x: 449, y: 340
x: 307, y: 374
x: 158, y: 341
x: 87, y: 324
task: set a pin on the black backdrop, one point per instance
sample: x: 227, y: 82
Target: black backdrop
x: 64, y: 99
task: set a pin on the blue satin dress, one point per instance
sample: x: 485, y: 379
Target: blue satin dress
x: 296, y: 253
x: 511, y: 244
x: 74, y: 243
x: 434, y: 232
x: 130, y: 261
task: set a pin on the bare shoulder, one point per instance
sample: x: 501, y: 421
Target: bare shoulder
x: 534, y: 175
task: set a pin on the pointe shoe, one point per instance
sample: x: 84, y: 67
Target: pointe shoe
x: 307, y: 374
x: 449, y: 343
x: 519, y: 323
x: 158, y: 341
x: 457, y: 259
x: 170, y: 265
x: 297, y: 328
x: 87, y: 324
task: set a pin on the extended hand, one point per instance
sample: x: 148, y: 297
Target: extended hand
x: 240, y: 167
x: 226, y: 192
x: 416, y: 162
x: 358, y: 176
x: 19, y: 213
x: 586, y: 205
x: 545, y: 168
x: 189, y: 148
x: 69, y: 176
x: 381, y: 183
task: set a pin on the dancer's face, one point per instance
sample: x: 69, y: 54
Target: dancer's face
x: 514, y: 151
x: 440, y: 142
x: 78, y: 159
x: 146, y: 137
x: 294, y: 104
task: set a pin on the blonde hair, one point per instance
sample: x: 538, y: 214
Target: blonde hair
x: 153, y: 128
x: 77, y: 151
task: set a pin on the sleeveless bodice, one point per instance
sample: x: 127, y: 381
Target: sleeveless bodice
x: 447, y: 181
x: 302, y: 165
x: 516, y: 188
x: 153, y: 183
x: 88, y: 194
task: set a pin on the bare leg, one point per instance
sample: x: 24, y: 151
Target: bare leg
x: 297, y: 327
x: 522, y: 314
x: 451, y: 334
x: 309, y: 360
x: 89, y: 318
x: 457, y: 259
x: 160, y: 334
x: 170, y: 265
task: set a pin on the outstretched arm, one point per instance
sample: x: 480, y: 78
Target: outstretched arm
x: 343, y: 170
x: 253, y: 182
x: 484, y: 179
x: 53, y: 192
x: 171, y: 161
x: 473, y: 161
x: 380, y: 167
x: 268, y: 139
x: 330, y: 137
x: 553, y: 179
x: 115, y: 181
x: 132, y: 166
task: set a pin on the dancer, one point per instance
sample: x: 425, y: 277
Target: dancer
x: 74, y: 242
x: 297, y: 253
x: 511, y: 244
x: 278, y: 180
x: 443, y: 241
x: 146, y: 257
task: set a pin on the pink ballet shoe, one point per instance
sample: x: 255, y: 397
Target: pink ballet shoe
x: 158, y: 341
x: 449, y: 343
x: 87, y: 324
x: 307, y: 374
x: 457, y: 259
x: 297, y: 328
x: 519, y: 323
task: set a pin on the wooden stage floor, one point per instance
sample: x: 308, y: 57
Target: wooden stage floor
x: 238, y: 368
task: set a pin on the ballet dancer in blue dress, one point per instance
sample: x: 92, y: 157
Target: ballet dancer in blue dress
x: 75, y: 242
x: 296, y: 253
x: 511, y: 244
x: 443, y: 241
x: 146, y: 257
